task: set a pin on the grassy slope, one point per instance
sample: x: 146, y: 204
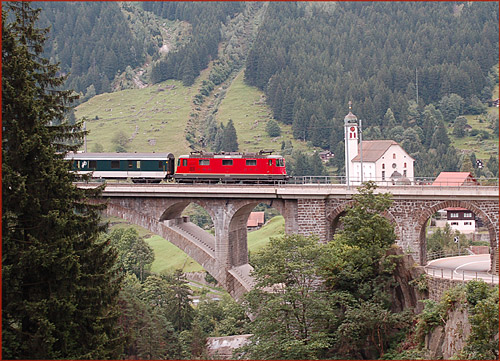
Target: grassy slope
x: 246, y: 106
x: 156, y: 114
x: 259, y: 238
x: 163, y: 115
x: 482, y: 148
x: 168, y: 257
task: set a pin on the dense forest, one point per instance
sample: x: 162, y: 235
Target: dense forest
x: 311, y: 61
x: 411, y: 69
x: 92, y: 41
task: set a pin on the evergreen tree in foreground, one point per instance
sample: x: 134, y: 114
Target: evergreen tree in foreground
x: 59, y: 284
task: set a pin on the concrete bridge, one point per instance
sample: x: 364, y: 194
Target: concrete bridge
x: 307, y: 209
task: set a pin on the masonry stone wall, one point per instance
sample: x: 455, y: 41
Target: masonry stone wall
x: 438, y: 286
x: 311, y: 218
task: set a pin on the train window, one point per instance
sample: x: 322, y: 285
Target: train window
x: 227, y: 162
x: 138, y: 164
x: 115, y: 164
x: 185, y: 162
x: 92, y: 164
x: 204, y: 162
x: 160, y: 164
x: 251, y: 162
x: 130, y: 164
x: 279, y: 162
x: 270, y: 162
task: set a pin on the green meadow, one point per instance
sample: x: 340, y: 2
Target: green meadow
x: 483, y: 148
x: 153, y: 118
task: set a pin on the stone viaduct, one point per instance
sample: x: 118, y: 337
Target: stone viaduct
x: 307, y: 209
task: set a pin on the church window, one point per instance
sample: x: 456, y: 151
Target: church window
x: 393, y: 155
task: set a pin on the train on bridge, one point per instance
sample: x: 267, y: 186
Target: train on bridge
x: 198, y: 167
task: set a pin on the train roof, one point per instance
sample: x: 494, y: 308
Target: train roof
x: 119, y: 156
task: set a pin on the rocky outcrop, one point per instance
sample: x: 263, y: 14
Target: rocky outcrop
x: 221, y: 348
x: 445, y: 342
x: 411, y: 284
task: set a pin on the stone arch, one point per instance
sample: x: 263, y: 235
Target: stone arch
x: 334, y: 217
x: 426, y: 213
x: 175, y: 209
x: 237, y: 232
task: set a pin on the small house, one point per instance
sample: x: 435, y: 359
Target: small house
x: 460, y: 219
x: 326, y: 155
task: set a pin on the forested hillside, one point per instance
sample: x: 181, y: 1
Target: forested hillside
x: 312, y: 60
x: 410, y: 68
x: 92, y: 41
x: 206, y: 19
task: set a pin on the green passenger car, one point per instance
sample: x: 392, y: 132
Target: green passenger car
x: 138, y: 167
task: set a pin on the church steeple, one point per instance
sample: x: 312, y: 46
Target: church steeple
x: 351, y: 141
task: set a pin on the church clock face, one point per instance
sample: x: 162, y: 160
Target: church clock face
x: 352, y: 133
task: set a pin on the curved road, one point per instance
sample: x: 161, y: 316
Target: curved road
x: 462, y: 268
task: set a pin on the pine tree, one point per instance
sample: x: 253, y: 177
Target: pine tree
x: 59, y: 282
x: 230, y: 139
x: 440, y: 136
x: 467, y: 165
x: 317, y: 166
x: 459, y: 127
x: 273, y: 128
x: 300, y: 123
x: 302, y: 167
x: 218, y: 139
x: 389, y: 120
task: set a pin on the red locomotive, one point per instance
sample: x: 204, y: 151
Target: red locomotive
x: 262, y: 167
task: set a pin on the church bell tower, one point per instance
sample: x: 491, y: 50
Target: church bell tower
x: 351, y: 143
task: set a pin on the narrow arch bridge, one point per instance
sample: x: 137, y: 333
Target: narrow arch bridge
x: 307, y: 209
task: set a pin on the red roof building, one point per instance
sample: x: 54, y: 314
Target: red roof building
x: 255, y: 220
x: 455, y: 179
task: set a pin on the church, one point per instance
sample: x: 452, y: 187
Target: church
x: 382, y: 161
